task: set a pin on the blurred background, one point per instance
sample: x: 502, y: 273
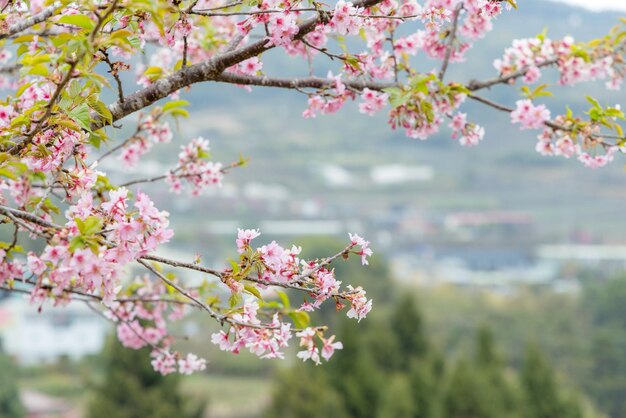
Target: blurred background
x: 499, y: 279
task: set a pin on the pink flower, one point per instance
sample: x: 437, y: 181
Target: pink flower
x: 329, y: 347
x: 164, y: 362
x: 373, y: 102
x: 35, y: 264
x: 307, y: 339
x: 532, y: 75
x: 244, y: 236
x: 529, y: 115
x: 191, y: 364
x: 360, y: 306
x: 343, y: 21
x: 221, y: 339
x: 282, y: 28
x: 364, y: 251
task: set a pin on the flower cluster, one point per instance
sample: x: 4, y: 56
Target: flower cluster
x: 469, y: 134
x: 88, y: 253
x: 373, y: 102
x: 574, y: 67
x: 277, y: 266
x: 9, y: 269
x: 247, y: 331
x: 585, y: 145
x: 530, y: 116
x: 311, y: 350
x: 194, y: 169
x: 149, y: 132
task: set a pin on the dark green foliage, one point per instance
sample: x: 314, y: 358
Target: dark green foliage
x: 466, y: 395
x: 10, y: 403
x: 542, y: 395
x: 132, y: 389
x: 354, y: 373
x: 389, y: 369
x: 406, y: 324
x: 397, y: 399
x: 607, y: 376
x: 425, y: 377
x: 315, y: 399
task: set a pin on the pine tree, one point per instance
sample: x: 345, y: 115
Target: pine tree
x: 467, y: 395
x: 132, y: 389
x: 354, y: 371
x: 501, y: 393
x: 408, y: 328
x: 397, y: 399
x: 304, y: 392
x: 10, y: 403
x: 543, y: 399
x: 426, y: 380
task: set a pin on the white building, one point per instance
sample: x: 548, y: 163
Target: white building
x: 34, y: 337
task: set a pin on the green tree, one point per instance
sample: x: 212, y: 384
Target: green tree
x: 426, y: 380
x: 132, y: 389
x: 397, y: 400
x: 542, y: 396
x: 10, y: 403
x: 606, y: 381
x: 355, y: 373
x: 501, y: 393
x: 408, y: 327
x: 304, y: 392
x: 467, y: 395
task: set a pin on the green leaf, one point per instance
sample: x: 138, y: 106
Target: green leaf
x: 235, y: 266
x: 76, y: 242
x: 101, y: 109
x: 235, y: 299
x: 253, y: 291
x: 5, y: 172
x: 90, y: 226
x: 39, y: 69
x: 300, y: 319
x: 81, y: 115
x: 283, y: 298
x: 81, y: 21
x: 174, y: 105
x: 593, y: 101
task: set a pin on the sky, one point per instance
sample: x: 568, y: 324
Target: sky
x: 597, y: 5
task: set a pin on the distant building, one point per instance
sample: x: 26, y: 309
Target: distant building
x: 34, y: 338
x: 496, y: 225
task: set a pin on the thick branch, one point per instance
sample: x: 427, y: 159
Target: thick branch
x: 9, y: 69
x: 204, y: 71
x: 22, y: 25
x: 297, y: 83
x: 29, y: 217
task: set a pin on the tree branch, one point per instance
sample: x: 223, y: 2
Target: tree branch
x: 475, y: 85
x: 455, y: 24
x: 205, y: 71
x: 40, y: 17
x: 296, y: 83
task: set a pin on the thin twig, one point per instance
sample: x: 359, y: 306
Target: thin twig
x: 452, y: 35
x: 115, y: 73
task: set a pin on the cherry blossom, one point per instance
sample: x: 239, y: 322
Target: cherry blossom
x: 529, y: 115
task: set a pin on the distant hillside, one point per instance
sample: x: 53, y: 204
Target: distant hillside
x: 504, y: 172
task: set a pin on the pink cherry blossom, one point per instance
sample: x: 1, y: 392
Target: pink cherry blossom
x: 529, y: 115
x: 244, y: 237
